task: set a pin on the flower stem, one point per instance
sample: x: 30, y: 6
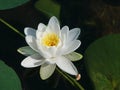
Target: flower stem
x: 75, y: 82
x: 12, y: 28
x: 65, y: 75
x: 70, y: 79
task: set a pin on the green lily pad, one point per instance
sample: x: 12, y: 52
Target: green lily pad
x: 48, y: 7
x: 8, y: 4
x: 103, y: 62
x: 8, y: 78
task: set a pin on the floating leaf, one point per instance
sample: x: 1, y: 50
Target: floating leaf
x: 8, y: 4
x: 8, y: 78
x: 103, y: 62
x: 48, y: 7
x: 74, y: 56
x: 26, y: 50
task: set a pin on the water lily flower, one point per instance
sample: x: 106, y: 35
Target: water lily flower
x: 50, y: 46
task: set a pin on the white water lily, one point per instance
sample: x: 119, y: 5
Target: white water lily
x: 50, y: 46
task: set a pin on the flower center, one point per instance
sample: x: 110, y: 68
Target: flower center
x: 50, y: 39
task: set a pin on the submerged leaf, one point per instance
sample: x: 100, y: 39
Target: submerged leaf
x: 8, y: 78
x: 48, y: 7
x: 74, y: 56
x: 8, y: 4
x: 103, y: 62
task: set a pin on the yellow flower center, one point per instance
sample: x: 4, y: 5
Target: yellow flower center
x: 50, y: 39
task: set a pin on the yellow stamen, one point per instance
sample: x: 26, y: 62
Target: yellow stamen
x: 50, y: 39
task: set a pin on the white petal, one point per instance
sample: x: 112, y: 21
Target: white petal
x: 53, y: 25
x: 70, y: 47
x: 47, y: 52
x: 40, y: 30
x: 26, y: 50
x: 73, y: 34
x: 51, y: 60
x: 52, y: 51
x: 32, y: 61
x: 31, y: 41
x: 41, y: 27
x: 66, y: 65
x: 65, y: 30
x: 53, y: 20
x: 64, y: 33
x: 46, y: 71
x: 43, y: 50
x: 30, y: 31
